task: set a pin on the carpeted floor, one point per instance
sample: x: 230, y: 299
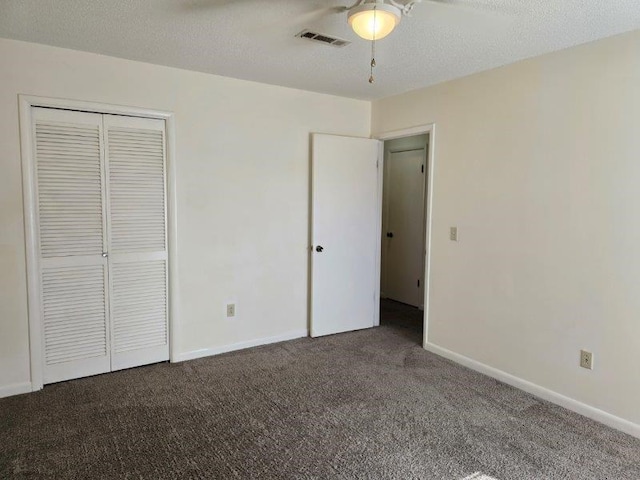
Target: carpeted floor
x: 363, y: 405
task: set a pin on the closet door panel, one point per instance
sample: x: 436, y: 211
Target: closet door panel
x: 74, y: 312
x: 139, y: 312
x: 137, y: 185
x: 71, y: 218
x: 137, y: 236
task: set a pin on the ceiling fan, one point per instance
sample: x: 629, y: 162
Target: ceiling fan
x: 372, y: 20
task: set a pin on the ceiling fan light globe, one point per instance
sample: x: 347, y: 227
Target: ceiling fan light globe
x: 374, y: 20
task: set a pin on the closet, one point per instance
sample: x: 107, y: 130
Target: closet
x: 100, y: 186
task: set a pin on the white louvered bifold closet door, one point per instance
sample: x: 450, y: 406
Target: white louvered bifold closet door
x: 136, y: 191
x: 70, y: 185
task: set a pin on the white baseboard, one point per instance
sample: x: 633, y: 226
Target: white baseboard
x: 207, y: 352
x: 15, y: 389
x: 588, y: 411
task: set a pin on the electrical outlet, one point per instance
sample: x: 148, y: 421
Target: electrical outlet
x: 231, y: 310
x: 453, y: 234
x: 586, y: 359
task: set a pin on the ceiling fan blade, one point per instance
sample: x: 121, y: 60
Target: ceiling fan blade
x: 318, y: 13
x: 195, y: 5
x: 310, y: 16
x: 486, y: 5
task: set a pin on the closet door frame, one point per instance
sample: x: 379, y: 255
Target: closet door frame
x: 32, y: 234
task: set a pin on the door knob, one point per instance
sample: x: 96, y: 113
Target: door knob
x: 319, y: 248
x: 105, y: 254
x: 389, y: 234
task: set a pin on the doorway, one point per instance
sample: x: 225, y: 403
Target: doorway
x: 404, y: 220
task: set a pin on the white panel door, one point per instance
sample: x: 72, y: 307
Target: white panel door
x: 70, y: 184
x: 136, y: 190
x: 346, y: 208
x: 404, y: 250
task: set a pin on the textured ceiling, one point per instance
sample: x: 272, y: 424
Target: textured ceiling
x: 254, y: 39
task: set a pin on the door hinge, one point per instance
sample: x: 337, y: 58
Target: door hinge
x: 418, y: 283
x: 422, y: 168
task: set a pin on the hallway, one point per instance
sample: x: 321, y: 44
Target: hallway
x: 402, y: 317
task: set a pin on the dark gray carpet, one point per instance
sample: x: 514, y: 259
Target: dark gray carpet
x: 370, y: 405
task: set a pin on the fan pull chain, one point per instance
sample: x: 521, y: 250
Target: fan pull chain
x: 373, y: 60
x: 373, y: 46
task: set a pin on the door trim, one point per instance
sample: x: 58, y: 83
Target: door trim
x: 429, y: 129
x: 26, y: 103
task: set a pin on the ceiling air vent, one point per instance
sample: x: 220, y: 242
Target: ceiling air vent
x: 322, y: 38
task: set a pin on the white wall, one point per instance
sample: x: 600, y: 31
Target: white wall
x: 538, y: 164
x: 242, y: 183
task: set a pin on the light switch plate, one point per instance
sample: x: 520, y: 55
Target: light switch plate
x: 231, y: 310
x: 453, y: 234
x: 586, y: 359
